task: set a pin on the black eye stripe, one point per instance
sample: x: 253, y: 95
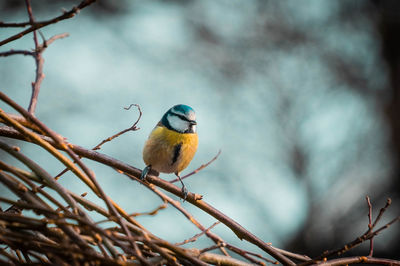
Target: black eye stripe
x: 183, y: 118
x: 180, y: 116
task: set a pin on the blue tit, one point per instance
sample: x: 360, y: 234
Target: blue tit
x: 172, y: 143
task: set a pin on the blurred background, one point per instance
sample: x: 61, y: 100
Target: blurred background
x: 302, y: 99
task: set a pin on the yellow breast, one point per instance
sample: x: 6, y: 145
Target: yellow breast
x: 168, y: 151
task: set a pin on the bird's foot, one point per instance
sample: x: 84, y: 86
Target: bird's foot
x: 145, y: 172
x: 185, y: 193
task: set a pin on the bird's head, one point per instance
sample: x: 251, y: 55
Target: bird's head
x: 180, y: 118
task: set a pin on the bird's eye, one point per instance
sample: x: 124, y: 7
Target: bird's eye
x: 183, y: 118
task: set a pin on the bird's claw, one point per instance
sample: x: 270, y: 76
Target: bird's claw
x: 145, y: 172
x: 185, y: 193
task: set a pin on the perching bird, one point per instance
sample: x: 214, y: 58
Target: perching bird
x: 172, y: 143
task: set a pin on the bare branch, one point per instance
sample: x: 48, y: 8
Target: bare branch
x: 371, y: 241
x: 240, y: 231
x: 369, y: 234
x: 198, y: 169
x: 362, y: 260
x: 39, y: 63
x: 132, y: 128
x: 16, y: 52
x: 195, y: 237
x: 35, y: 26
x: 382, y: 211
x: 15, y: 24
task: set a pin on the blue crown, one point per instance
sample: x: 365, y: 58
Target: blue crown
x: 183, y: 109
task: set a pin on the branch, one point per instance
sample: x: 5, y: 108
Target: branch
x: 39, y: 63
x: 245, y: 254
x: 177, y: 205
x: 198, y: 169
x: 16, y: 52
x: 240, y: 231
x: 362, y: 259
x: 371, y: 241
x: 35, y: 26
x: 381, y: 211
x: 369, y: 234
x: 216, y: 259
x: 15, y: 24
x: 195, y: 237
x: 132, y: 128
x: 86, y: 176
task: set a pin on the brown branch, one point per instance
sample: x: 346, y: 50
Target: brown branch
x: 10, y: 256
x: 240, y: 231
x: 369, y: 234
x: 15, y: 187
x: 123, y: 167
x: 16, y: 52
x: 151, y: 213
x: 219, y: 241
x: 15, y: 24
x: 50, y: 148
x: 179, y: 252
x: 31, y: 20
x: 97, y: 147
x: 195, y: 237
x: 35, y: 26
x: 132, y: 128
x: 245, y: 254
x: 292, y: 255
x: 46, y: 43
x: 87, y: 204
x: 39, y: 63
x: 382, y: 211
x: 88, y: 177
x: 371, y: 241
x: 361, y: 260
x: 217, y: 259
x: 198, y: 169
x: 39, y: 49
x: 23, y: 121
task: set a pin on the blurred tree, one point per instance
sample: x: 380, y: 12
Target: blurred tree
x: 385, y: 14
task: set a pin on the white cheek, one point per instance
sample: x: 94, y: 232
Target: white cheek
x: 177, y: 123
x: 194, y: 127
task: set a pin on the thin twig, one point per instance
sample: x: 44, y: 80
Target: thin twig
x: 360, y: 260
x: 189, y: 216
x: 195, y: 237
x: 198, y: 169
x: 35, y: 26
x: 17, y: 52
x: 245, y: 254
x: 39, y: 63
x: 382, y: 211
x: 366, y: 236
x: 15, y: 24
x: 46, y: 43
x: 97, y: 147
x: 292, y: 255
x: 132, y: 128
x: 371, y: 241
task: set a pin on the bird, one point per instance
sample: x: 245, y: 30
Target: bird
x: 172, y: 143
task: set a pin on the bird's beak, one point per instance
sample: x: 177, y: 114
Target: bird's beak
x: 192, y: 122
